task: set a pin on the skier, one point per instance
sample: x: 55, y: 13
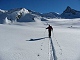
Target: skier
x: 49, y: 30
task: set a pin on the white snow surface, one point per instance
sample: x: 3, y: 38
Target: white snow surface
x: 3, y: 11
x: 28, y: 41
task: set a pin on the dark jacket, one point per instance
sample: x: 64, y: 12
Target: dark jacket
x: 49, y: 28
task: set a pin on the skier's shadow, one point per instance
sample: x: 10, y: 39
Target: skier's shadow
x: 36, y: 39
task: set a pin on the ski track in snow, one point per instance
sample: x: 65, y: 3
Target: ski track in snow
x: 53, y: 53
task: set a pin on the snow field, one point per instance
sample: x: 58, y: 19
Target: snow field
x: 28, y: 41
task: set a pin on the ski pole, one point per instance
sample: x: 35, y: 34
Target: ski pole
x: 44, y: 32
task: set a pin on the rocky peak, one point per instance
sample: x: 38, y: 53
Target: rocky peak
x: 70, y: 10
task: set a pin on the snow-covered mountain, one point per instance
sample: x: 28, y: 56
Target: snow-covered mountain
x: 2, y: 11
x: 51, y: 15
x: 19, y: 15
x: 26, y: 15
x: 70, y: 13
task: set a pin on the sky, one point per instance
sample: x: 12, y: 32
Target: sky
x: 42, y: 6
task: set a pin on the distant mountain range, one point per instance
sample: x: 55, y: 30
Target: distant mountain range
x: 25, y: 15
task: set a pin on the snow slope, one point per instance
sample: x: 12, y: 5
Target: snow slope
x: 29, y: 41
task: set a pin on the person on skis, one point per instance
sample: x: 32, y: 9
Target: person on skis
x: 49, y: 30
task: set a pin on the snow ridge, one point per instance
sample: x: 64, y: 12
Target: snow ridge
x: 26, y: 15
